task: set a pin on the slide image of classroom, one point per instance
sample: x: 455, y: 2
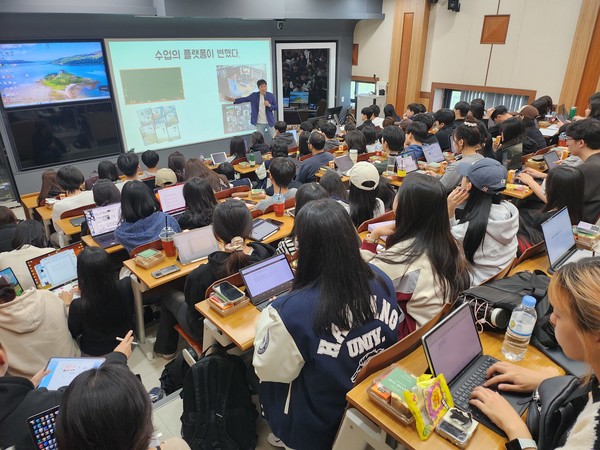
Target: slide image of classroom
x: 239, y: 81
x: 236, y: 118
x: 159, y: 124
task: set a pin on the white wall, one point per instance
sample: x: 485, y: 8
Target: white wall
x: 534, y: 57
x: 374, y: 39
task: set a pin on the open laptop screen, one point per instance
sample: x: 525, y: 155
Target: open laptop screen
x: 433, y: 152
x: 558, y: 235
x: 218, y: 158
x: 55, y: 268
x: 103, y: 219
x: 197, y: 244
x: 453, y: 344
x: 171, y: 198
x: 406, y: 162
x: 267, y: 278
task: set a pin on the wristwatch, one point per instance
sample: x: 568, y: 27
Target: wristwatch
x: 521, y: 444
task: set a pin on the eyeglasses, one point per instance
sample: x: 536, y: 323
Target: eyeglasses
x: 569, y: 138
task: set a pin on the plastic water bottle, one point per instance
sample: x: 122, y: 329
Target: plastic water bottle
x: 251, y: 159
x: 519, y: 330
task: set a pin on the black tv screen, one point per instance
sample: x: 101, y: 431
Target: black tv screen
x: 38, y: 73
x: 61, y: 134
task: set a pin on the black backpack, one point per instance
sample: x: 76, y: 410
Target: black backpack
x: 218, y: 412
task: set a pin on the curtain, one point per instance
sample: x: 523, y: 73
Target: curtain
x: 512, y: 102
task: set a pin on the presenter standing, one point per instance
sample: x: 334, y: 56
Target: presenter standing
x: 262, y: 104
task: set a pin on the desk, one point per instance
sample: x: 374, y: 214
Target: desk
x: 407, y: 435
x: 239, y: 327
x: 520, y: 195
x: 245, y: 169
x: 66, y: 229
x: 538, y: 262
x: 29, y: 202
x: 90, y: 242
x: 46, y: 215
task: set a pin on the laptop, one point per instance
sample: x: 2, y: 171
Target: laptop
x: 551, y: 158
x: 512, y: 157
x: 453, y: 348
x: 221, y: 157
x: 267, y: 280
x: 171, y: 200
x: 433, y: 152
x: 343, y: 164
x: 194, y: 245
x: 409, y: 164
x: 102, y: 223
x: 56, y: 271
x: 294, y: 133
x: 560, y: 241
x: 258, y: 159
x: 10, y: 276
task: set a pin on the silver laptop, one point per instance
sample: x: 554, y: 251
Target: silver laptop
x: 171, y: 200
x: 560, y: 241
x: 267, y: 279
x: 221, y: 157
x: 56, y: 271
x: 453, y: 348
x: 551, y: 158
x: 433, y: 152
x: 194, y: 245
x: 102, y: 223
x: 408, y: 162
x: 343, y: 164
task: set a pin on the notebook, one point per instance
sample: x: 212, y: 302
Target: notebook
x: 171, y: 200
x: 407, y: 162
x: 454, y: 349
x: 57, y: 270
x: 221, y: 157
x: 344, y: 164
x: 433, y: 152
x: 267, y: 279
x: 102, y: 223
x: 10, y: 276
x: 551, y: 158
x: 41, y: 426
x: 560, y: 241
x: 194, y: 245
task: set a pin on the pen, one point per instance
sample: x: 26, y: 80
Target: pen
x: 120, y: 339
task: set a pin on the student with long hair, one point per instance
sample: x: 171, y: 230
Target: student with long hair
x: 573, y: 294
x: 196, y: 168
x: 176, y: 163
x: 509, y: 151
x: 306, y: 350
x: 237, y: 147
x: 332, y: 183
x: 363, y: 203
x: 386, y: 193
x: 142, y: 218
x: 108, y: 171
x: 105, y: 309
x: 421, y: 256
x: 105, y: 193
x: 50, y: 187
x: 303, y: 143
x: 257, y: 143
x: 355, y: 140
x: 200, y: 201
x: 28, y: 242
x: 232, y: 225
x: 390, y: 111
x: 108, y: 409
x: 488, y: 226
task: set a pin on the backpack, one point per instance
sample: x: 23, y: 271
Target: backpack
x: 218, y: 412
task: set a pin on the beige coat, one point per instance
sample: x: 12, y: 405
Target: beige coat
x: 17, y: 261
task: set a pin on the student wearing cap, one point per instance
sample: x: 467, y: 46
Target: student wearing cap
x: 529, y: 115
x: 363, y: 203
x: 165, y: 177
x: 488, y: 226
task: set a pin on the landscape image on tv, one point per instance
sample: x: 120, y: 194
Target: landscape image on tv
x: 51, y: 72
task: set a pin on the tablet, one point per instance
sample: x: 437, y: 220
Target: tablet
x: 64, y: 370
x: 41, y: 427
x: 262, y: 229
x: 9, y: 276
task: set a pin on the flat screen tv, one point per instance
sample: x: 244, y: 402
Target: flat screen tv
x: 46, y: 73
x: 63, y: 134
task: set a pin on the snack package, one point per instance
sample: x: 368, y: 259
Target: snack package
x: 428, y: 402
x: 387, y: 390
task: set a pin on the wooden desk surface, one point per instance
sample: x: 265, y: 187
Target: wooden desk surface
x: 407, y: 435
x: 67, y: 227
x: 538, y: 262
x: 345, y: 178
x: 284, y: 231
x: 240, y: 326
x: 90, y: 242
x: 30, y: 200
x: 45, y: 213
x: 244, y: 170
x: 145, y: 275
x: 517, y: 194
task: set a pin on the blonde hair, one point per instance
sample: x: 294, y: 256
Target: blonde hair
x: 577, y: 287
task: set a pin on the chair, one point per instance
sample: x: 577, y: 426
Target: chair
x: 303, y: 157
x: 544, y: 150
x: 256, y: 213
x: 401, y: 348
x: 365, y: 156
x: 238, y: 160
x: 289, y: 203
x: 156, y: 245
x: 529, y: 253
x: 228, y: 192
x: 292, y: 150
x: 76, y: 211
x: 390, y: 215
x: 235, y: 279
x: 192, y: 343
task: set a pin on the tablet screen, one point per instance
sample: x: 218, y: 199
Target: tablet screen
x: 64, y: 370
x: 261, y: 229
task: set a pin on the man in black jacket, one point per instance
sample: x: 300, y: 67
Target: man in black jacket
x: 444, y: 121
x: 20, y: 399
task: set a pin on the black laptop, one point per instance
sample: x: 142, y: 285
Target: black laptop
x: 267, y: 279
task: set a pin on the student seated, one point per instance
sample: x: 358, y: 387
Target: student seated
x: 8, y: 226
x: 165, y: 177
x: 303, y: 148
x: 200, y: 201
x: 70, y: 179
x: 415, y: 134
x: 150, y: 159
x: 428, y: 121
x: 28, y: 242
x: 366, y: 115
x: 461, y: 109
x: 33, y: 328
x: 309, y: 167
x: 528, y: 115
x: 129, y: 165
x: 329, y: 129
x: 105, y: 309
x: 573, y: 294
x: 306, y: 193
x: 237, y: 147
x: 386, y: 192
x: 105, y: 193
x: 421, y: 256
x: 232, y: 225
x: 444, y: 121
x: 371, y: 142
x: 196, y: 168
x: 281, y: 173
x: 411, y: 110
x: 282, y: 135
x: 363, y: 203
x: 50, y: 187
x: 176, y: 163
x: 257, y: 143
x: 488, y: 226
x: 355, y: 140
x: 227, y: 170
x: 332, y: 183
x: 392, y: 140
x: 512, y: 144
x: 21, y: 398
x: 142, y: 218
x: 108, y: 408
x: 389, y: 110
x: 108, y: 171
x: 306, y: 348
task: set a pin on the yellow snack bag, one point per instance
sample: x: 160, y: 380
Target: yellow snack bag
x: 428, y: 401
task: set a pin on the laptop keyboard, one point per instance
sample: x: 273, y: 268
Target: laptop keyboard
x: 105, y: 240
x: 263, y: 305
x: 477, y: 378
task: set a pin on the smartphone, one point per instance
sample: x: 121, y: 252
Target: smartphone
x: 274, y: 222
x: 165, y: 271
x: 229, y: 291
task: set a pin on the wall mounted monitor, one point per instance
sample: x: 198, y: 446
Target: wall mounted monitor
x: 176, y: 92
x: 46, y: 73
